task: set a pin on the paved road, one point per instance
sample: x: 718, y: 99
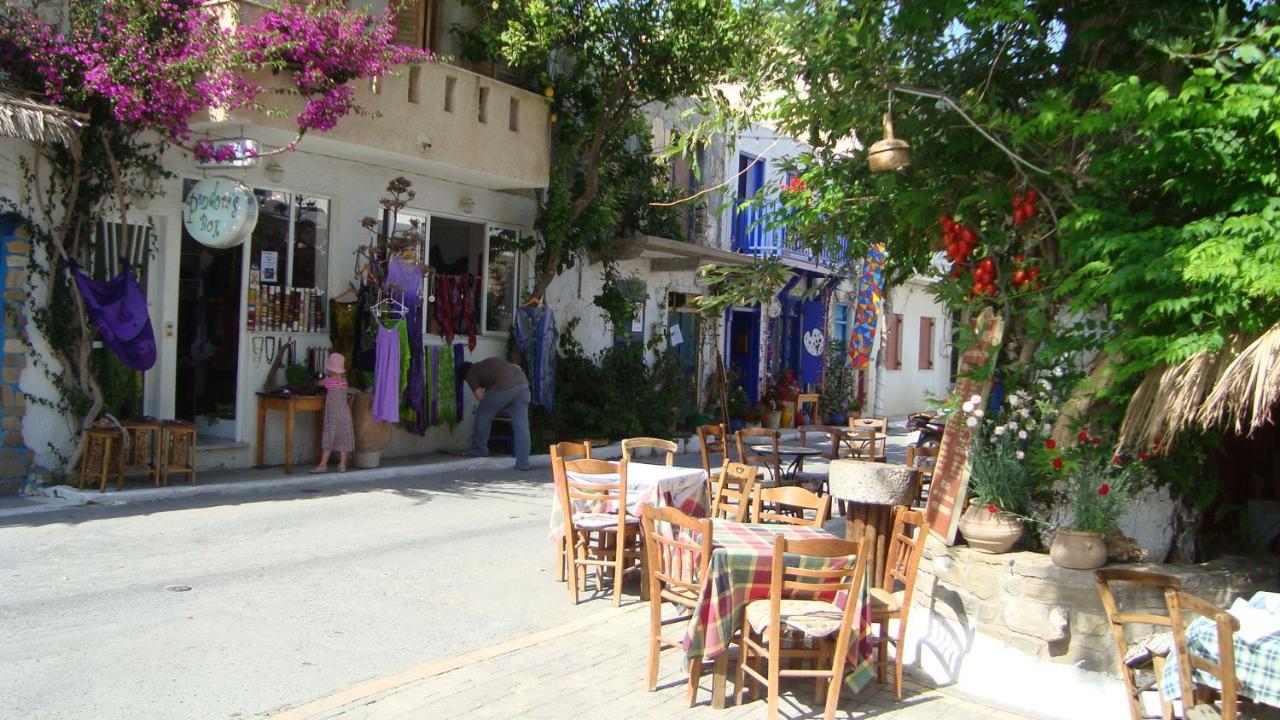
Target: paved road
x: 293, y: 596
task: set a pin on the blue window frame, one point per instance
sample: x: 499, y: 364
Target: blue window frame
x: 840, y: 325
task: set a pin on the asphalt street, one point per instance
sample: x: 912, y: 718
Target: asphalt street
x: 292, y: 596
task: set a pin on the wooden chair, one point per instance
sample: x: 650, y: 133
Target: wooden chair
x: 1145, y: 657
x: 601, y: 533
x: 809, y: 400
x: 677, y: 559
x: 142, y: 452
x: 818, y: 470
x: 924, y: 457
x: 103, y: 455
x: 630, y: 445
x: 817, y: 620
x: 771, y: 461
x: 769, y: 502
x: 1197, y: 701
x: 868, y: 437
x: 732, y: 499
x: 561, y: 452
x: 711, y: 439
x: 178, y: 451
x: 906, y: 543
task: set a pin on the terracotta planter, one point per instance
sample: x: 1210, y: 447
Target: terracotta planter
x: 989, y: 532
x: 1078, y: 550
x: 371, y: 436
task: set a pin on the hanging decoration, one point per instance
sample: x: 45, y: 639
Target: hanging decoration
x: 118, y: 308
x: 536, y: 335
x: 863, y: 336
x: 220, y: 213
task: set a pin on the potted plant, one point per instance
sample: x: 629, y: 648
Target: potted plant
x: 836, y: 397
x: 773, y: 408
x: 1001, y: 484
x: 1094, y: 495
x: 754, y: 415
x: 738, y: 405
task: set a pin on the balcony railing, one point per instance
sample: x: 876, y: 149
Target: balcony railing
x: 760, y: 229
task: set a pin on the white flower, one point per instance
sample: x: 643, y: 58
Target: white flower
x: 1048, y: 429
x: 975, y: 399
x: 967, y: 407
x: 1021, y: 455
x: 1013, y: 426
x: 1014, y: 400
x: 999, y: 430
x: 1025, y: 412
x: 971, y: 421
x: 1059, y: 371
x: 1022, y: 434
x: 1046, y: 384
x: 980, y: 412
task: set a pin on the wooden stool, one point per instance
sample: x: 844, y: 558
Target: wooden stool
x: 102, y: 454
x: 178, y: 450
x: 142, y: 451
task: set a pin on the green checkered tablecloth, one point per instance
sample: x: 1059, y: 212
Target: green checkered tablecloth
x: 739, y: 572
x: 1257, y: 651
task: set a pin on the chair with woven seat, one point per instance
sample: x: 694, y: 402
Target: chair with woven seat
x: 770, y: 504
x: 1141, y: 661
x: 600, y: 533
x: 868, y: 438
x: 814, y: 471
x: 678, y: 550
x: 732, y: 498
x: 924, y: 457
x: 1198, y: 700
x: 906, y: 543
x: 630, y: 445
x: 817, y: 621
x: 770, y: 461
x: 561, y: 452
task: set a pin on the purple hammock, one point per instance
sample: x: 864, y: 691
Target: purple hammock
x: 119, y: 310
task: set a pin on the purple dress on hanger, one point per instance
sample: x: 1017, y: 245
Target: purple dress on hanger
x: 386, y: 376
x: 404, y: 280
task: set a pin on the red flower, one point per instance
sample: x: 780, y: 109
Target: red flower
x: 1156, y: 443
x: 1097, y: 441
x: 1116, y: 459
x: 1083, y: 436
x: 1057, y: 462
x: 991, y: 508
x: 1143, y: 456
x: 1050, y: 444
x: 1104, y: 489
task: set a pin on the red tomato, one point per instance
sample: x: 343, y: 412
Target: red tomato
x: 1017, y: 199
x: 1019, y: 276
x: 1019, y: 216
x: 1019, y: 259
x: 1034, y: 273
x: 1031, y: 196
x: 968, y: 236
x: 945, y: 221
x: 987, y: 263
x: 990, y: 289
x: 978, y: 285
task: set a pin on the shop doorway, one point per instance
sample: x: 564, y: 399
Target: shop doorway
x: 744, y: 349
x: 209, y: 297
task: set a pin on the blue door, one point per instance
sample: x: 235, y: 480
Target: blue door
x: 743, y: 336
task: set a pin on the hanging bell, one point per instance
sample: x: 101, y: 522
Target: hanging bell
x: 889, y: 153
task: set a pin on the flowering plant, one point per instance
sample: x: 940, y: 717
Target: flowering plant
x: 755, y: 414
x: 1097, y: 482
x: 781, y: 388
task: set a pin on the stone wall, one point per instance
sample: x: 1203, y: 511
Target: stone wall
x: 1053, y: 614
x: 15, y: 458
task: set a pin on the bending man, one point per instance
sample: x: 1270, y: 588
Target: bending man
x: 499, y: 385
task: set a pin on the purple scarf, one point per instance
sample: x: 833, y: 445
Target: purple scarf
x: 118, y: 308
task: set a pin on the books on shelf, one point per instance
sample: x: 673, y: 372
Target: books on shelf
x: 272, y: 308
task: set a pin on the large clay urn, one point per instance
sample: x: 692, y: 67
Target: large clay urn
x: 371, y: 436
x: 1078, y: 550
x: 870, y: 491
x: 989, y: 532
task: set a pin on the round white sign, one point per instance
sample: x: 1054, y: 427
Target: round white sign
x: 220, y: 212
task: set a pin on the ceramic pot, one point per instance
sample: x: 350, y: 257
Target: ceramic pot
x: 735, y: 425
x: 989, y: 532
x: 773, y: 418
x: 788, y: 417
x: 837, y: 419
x: 1078, y: 550
x: 371, y: 436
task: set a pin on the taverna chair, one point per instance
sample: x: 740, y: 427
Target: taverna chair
x: 630, y: 445
x: 678, y: 551
x: 1142, y: 661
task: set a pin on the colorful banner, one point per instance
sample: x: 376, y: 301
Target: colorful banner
x: 813, y: 315
x: 862, y: 337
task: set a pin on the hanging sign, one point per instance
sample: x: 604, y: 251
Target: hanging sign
x: 220, y: 213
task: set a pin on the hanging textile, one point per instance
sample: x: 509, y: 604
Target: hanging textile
x: 386, y: 384
x: 447, y: 384
x: 365, y: 360
x: 863, y: 335
x: 455, y: 306
x: 404, y: 282
x: 433, y: 383
x: 536, y: 337
x: 457, y: 383
x: 813, y: 319
x: 342, y: 330
x: 118, y: 308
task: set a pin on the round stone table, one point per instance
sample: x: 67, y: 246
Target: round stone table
x: 869, y: 491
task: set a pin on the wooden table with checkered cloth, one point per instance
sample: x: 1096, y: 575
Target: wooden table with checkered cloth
x: 1257, y: 650
x: 739, y: 572
x: 654, y: 485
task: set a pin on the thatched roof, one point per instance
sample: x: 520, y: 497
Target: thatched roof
x: 39, y: 123
x: 1235, y: 388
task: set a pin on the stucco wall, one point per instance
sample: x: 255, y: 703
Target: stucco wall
x: 909, y: 388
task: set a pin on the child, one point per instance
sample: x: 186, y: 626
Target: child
x: 338, y: 435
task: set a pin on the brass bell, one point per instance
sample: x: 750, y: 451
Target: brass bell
x: 889, y: 153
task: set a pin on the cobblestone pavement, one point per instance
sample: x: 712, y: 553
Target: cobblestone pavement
x: 595, y: 666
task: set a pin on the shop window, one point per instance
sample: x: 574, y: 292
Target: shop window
x: 926, y: 343
x: 893, y: 343
x: 290, y: 244
x: 501, y: 292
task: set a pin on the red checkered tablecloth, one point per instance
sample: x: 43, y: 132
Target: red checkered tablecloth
x: 739, y: 572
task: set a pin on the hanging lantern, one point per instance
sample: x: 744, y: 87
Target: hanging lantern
x: 889, y: 153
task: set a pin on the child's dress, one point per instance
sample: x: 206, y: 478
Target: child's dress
x: 337, y: 434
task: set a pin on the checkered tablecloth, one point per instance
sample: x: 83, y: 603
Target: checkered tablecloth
x: 739, y: 572
x: 1257, y: 651
x: 653, y: 485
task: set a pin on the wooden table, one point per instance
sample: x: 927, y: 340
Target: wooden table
x: 291, y: 405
